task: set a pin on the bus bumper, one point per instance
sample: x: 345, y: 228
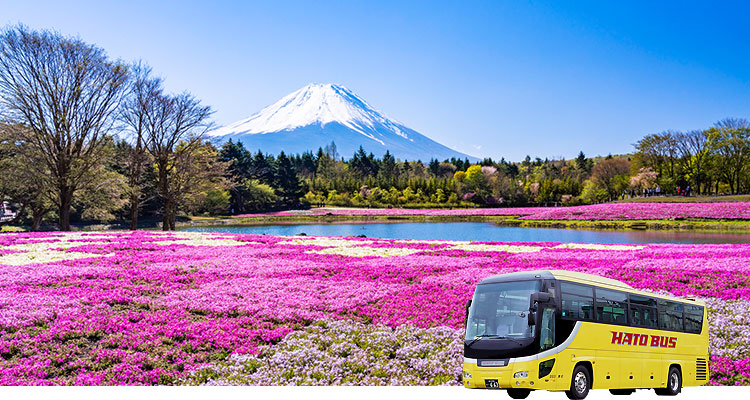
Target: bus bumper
x: 483, y: 377
x: 487, y: 377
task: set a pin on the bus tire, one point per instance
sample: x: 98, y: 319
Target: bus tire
x: 580, y: 383
x: 518, y: 393
x: 674, y: 383
x: 621, y: 392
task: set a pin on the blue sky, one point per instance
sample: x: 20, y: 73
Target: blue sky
x: 488, y: 78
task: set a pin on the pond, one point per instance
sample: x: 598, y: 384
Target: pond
x: 479, y: 231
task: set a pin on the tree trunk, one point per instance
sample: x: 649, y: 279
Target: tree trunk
x: 66, y: 199
x: 36, y: 221
x: 173, y: 215
x: 739, y: 184
x: 134, y: 212
x: 168, y: 215
x: 163, y: 190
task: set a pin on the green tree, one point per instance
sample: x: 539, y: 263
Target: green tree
x: 260, y: 196
x: 24, y: 187
x: 733, y: 148
x: 609, y: 174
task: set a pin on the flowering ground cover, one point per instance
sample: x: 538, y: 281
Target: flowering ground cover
x: 601, y: 212
x: 147, y: 307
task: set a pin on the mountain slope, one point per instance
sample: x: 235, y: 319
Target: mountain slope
x: 318, y: 114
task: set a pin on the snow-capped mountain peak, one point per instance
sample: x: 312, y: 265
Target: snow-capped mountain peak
x: 316, y: 104
x: 318, y: 114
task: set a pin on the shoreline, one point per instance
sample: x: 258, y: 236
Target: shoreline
x: 693, y: 225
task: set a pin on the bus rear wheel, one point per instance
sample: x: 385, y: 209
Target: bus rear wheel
x: 674, y: 383
x: 580, y: 383
x: 518, y: 393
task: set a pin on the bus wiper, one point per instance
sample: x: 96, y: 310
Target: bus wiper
x: 510, y: 338
x: 477, y: 338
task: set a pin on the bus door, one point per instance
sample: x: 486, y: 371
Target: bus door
x: 547, y: 341
x: 643, y: 314
x: 613, y: 361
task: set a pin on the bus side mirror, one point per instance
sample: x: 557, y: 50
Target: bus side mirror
x: 532, y: 318
x: 538, y: 297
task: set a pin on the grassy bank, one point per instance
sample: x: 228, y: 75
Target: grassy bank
x: 691, y: 199
x: 668, y: 225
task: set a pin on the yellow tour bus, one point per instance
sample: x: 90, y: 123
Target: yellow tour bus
x: 570, y: 331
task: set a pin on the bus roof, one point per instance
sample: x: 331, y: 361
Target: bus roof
x: 579, y: 277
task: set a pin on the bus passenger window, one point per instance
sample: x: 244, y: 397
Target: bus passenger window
x: 573, y: 288
x: 577, y: 307
x: 642, y: 300
x: 577, y: 301
x: 670, y: 315
x: 693, y: 319
x: 611, y: 306
x: 643, y: 316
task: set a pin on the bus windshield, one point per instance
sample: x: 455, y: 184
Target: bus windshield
x: 501, y: 310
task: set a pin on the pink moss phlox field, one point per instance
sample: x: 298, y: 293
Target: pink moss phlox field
x: 141, y: 308
x: 346, y: 353
x: 608, y: 211
x: 728, y: 372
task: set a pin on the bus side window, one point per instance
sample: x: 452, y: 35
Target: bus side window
x: 670, y: 315
x: 611, y: 306
x: 577, y: 301
x: 574, y: 288
x: 643, y: 311
x: 693, y: 319
x: 577, y: 307
x: 643, y: 316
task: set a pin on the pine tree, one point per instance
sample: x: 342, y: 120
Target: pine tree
x: 388, y: 171
x: 261, y: 168
x: 434, y: 167
x: 287, y: 182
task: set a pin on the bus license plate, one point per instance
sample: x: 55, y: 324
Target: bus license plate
x: 491, y: 384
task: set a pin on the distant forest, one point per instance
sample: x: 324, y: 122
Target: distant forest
x: 710, y: 161
x: 87, y: 139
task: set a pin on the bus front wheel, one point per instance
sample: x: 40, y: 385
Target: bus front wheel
x: 518, y: 393
x: 580, y: 383
x: 674, y: 383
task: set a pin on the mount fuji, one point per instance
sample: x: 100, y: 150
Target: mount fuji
x: 318, y: 114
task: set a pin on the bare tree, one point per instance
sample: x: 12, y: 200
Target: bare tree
x: 66, y: 91
x: 144, y: 92
x: 174, y: 132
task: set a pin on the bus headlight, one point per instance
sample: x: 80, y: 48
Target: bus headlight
x: 521, y: 374
x: 467, y: 374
